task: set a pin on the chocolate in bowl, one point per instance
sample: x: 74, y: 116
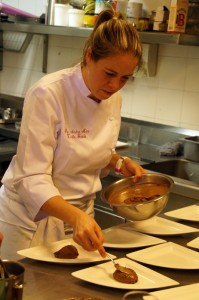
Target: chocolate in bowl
x: 138, y: 201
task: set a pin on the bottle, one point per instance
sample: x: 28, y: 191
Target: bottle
x: 89, y: 13
x: 101, y: 5
x: 121, y: 6
x: 178, y: 15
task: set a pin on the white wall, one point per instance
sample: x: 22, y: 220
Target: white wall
x: 171, y: 97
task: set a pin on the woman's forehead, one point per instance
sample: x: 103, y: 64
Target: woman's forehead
x: 119, y: 62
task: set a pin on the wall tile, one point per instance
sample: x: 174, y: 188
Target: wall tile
x: 193, y: 52
x: 171, y: 72
x: 171, y: 97
x: 169, y: 106
x: 60, y: 58
x: 190, y: 109
x: 173, y: 50
x: 18, y: 81
x: 14, y: 3
x: 192, y: 77
x: 40, y: 7
x: 141, y: 102
x: 147, y: 81
x: 27, y: 6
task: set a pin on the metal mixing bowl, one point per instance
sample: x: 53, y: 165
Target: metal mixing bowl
x: 141, y: 210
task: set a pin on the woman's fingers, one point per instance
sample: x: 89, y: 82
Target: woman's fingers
x: 91, y: 239
x: 102, y: 251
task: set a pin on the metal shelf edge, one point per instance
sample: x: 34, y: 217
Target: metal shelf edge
x: 146, y: 37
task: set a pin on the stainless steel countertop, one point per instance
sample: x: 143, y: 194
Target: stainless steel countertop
x: 52, y: 281
x: 7, y: 148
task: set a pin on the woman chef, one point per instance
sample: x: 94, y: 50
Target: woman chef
x: 70, y: 125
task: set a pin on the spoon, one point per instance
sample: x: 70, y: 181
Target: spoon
x: 117, y: 266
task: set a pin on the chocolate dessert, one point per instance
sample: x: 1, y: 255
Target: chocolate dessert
x: 68, y: 251
x: 129, y: 276
x: 140, y: 193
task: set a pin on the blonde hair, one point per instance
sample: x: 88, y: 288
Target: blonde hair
x: 111, y: 35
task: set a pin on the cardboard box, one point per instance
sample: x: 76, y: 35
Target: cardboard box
x: 178, y: 15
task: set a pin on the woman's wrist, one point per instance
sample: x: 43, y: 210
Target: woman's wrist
x: 119, y: 164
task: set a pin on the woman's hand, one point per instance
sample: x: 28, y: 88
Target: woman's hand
x: 88, y: 234
x: 128, y: 168
x: 131, y: 168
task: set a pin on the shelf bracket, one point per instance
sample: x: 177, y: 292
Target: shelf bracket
x: 45, y: 53
x: 149, y: 61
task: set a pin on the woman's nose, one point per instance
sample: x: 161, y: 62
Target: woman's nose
x: 115, y: 84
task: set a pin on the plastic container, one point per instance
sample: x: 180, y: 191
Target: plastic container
x: 121, y: 6
x: 61, y: 14
x: 191, y: 148
x: 76, y: 17
x: 89, y: 13
x: 192, y: 26
x: 134, y: 12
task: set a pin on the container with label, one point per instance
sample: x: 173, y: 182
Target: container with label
x: 89, y: 13
x: 61, y: 14
x: 121, y: 6
x: 134, y: 12
x: 178, y: 15
x: 75, y: 17
x: 192, y: 26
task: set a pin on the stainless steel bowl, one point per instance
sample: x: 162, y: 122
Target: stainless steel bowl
x: 136, y: 211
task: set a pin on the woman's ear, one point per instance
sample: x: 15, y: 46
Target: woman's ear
x: 88, y: 55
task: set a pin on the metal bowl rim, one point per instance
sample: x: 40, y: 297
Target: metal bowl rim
x: 170, y: 180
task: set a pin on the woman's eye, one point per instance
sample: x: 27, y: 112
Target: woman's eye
x: 110, y: 74
x: 126, y: 77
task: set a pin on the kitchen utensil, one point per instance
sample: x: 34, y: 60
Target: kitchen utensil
x: 115, y: 194
x: 13, y: 279
x: 191, y: 147
x: 117, y: 266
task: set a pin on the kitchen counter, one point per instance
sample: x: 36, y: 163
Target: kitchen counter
x: 54, y: 281
x: 9, y: 131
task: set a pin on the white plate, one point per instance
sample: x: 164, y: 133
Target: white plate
x: 194, y: 243
x: 168, y: 255
x: 186, y: 292
x: 126, y: 237
x: 188, y: 213
x: 102, y: 274
x: 120, y: 144
x: 46, y: 253
x: 162, y: 226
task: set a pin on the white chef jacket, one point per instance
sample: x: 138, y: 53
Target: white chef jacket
x: 66, y: 139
